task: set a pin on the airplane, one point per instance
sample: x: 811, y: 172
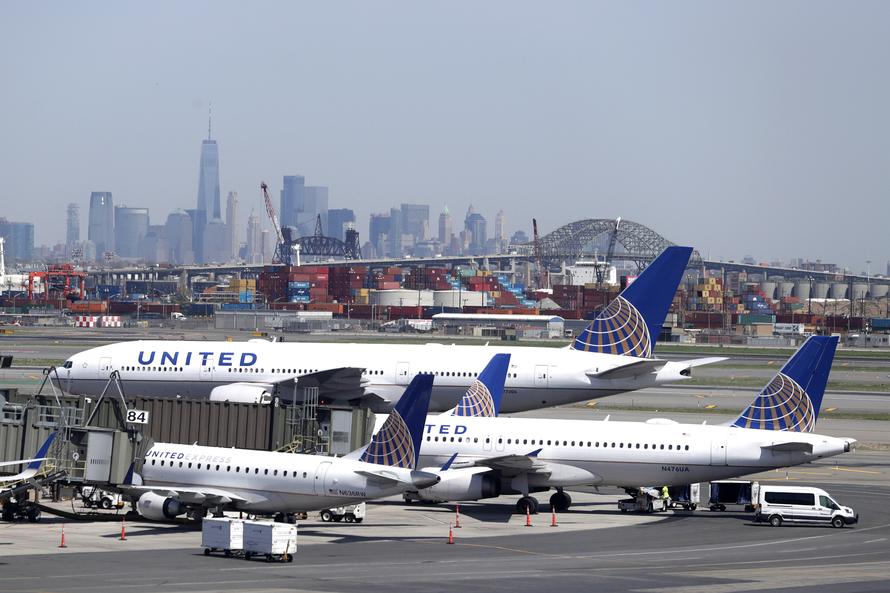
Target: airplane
x: 177, y: 479
x: 33, y: 465
x: 497, y: 455
x: 613, y: 354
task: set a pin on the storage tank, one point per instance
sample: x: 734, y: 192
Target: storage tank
x: 401, y: 297
x: 769, y: 289
x: 878, y: 291
x: 838, y: 290
x: 785, y: 289
x: 458, y: 298
x: 860, y: 289
x: 802, y: 288
x: 820, y: 290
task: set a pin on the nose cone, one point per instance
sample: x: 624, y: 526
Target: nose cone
x: 422, y: 479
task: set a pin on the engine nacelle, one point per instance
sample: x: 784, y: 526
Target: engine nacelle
x: 159, y: 508
x: 242, y: 393
x: 461, y: 486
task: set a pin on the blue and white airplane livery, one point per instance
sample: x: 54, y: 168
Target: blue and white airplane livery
x: 178, y: 479
x: 492, y: 455
x: 612, y: 355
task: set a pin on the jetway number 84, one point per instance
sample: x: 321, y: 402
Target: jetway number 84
x: 137, y: 416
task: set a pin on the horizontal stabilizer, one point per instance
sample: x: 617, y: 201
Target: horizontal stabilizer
x: 697, y: 362
x: 629, y: 371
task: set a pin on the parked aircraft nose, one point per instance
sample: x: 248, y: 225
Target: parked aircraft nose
x: 424, y: 479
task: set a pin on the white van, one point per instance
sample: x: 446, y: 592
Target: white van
x: 800, y: 504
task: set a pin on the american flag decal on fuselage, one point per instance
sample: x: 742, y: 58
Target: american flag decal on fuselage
x: 782, y: 405
x: 619, y: 329
x: 392, y: 445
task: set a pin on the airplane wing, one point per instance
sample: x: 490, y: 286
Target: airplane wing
x: 25, y: 475
x: 340, y: 384
x: 627, y: 371
x: 513, y: 464
x: 196, y: 495
x: 697, y: 362
x: 20, y: 461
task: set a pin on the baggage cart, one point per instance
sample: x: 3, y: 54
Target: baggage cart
x: 222, y: 534
x: 269, y: 539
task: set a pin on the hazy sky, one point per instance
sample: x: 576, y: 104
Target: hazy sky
x: 739, y: 128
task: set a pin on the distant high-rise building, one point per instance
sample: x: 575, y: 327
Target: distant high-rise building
x: 339, y: 219
x: 315, y: 204
x: 292, y: 199
x: 378, y: 231
x: 475, y: 226
x: 209, y: 206
x: 178, y: 230
x: 72, y: 236
x: 101, y: 227
x: 232, y: 224
x: 518, y: 237
x: 254, y: 240
x: 394, y: 234
x: 416, y: 221
x: 216, y: 247
x: 154, y: 248
x: 445, y: 226
x: 130, y: 226
x: 18, y: 240
x: 499, y: 226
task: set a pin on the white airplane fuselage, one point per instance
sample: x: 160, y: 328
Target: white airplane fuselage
x: 538, y: 376
x: 631, y: 454
x: 268, y: 482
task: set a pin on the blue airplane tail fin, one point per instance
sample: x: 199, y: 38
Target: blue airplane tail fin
x: 483, y: 398
x: 41, y: 453
x: 397, y: 443
x: 792, y: 399
x: 631, y: 323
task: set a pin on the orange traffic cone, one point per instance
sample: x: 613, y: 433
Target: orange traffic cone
x: 528, y: 517
x: 450, y: 534
x: 457, y: 517
x: 123, y: 530
x: 62, y: 543
x: 553, y: 517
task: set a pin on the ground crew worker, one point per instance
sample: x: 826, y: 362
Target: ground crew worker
x: 666, y: 494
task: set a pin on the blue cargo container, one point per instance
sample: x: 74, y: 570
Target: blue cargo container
x: 199, y: 309
x: 245, y: 297
x: 880, y: 323
x: 295, y: 285
x: 237, y: 306
x: 298, y: 298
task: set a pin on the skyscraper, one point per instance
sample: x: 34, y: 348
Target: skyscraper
x: 378, y: 230
x: 394, y: 235
x: 292, y: 199
x: 338, y: 221
x: 101, y: 227
x: 72, y: 237
x: 475, y: 226
x: 130, y: 226
x: 209, y: 206
x: 232, y: 224
x: 445, y: 227
x: 315, y: 204
x: 254, y: 240
x: 18, y: 240
x: 499, y: 226
x: 178, y: 230
x: 416, y: 221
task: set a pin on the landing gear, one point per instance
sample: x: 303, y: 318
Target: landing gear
x: 560, y: 501
x: 527, y: 504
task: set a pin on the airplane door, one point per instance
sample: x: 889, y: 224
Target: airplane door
x: 542, y: 375
x: 320, y: 473
x: 718, y: 452
x: 403, y: 373
x: 104, y: 367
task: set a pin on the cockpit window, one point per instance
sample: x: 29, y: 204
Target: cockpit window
x: 68, y: 364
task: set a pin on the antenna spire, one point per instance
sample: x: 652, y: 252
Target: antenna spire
x: 209, y: 118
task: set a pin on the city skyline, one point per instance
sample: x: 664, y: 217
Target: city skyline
x: 733, y: 129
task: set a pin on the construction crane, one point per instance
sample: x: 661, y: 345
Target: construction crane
x: 541, y: 278
x: 610, y: 252
x: 279, y: 257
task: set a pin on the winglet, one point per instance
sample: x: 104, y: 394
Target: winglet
x: 483, y: 398
x: 448, y: 463
x: 41, y: 453
x: 535, y: 452
x: 397, y: 443
x: 631, y: 323
x: 792, y: 399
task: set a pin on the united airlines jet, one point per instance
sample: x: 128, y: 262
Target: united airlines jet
x: 178, y: 479
x: 612, y: 355
x: 488, y: 456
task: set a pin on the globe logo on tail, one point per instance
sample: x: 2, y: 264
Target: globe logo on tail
x: 477, y: 402
x: 619, y: 329
x: 392, y: 445
x: 782, y: 405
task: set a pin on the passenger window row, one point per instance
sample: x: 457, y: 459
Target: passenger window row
x: 228, y: 468
x: 550, y: 442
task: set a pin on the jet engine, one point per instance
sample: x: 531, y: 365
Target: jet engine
x: 242, y: 393
x: 159, y: 508
x: 461, y: 486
